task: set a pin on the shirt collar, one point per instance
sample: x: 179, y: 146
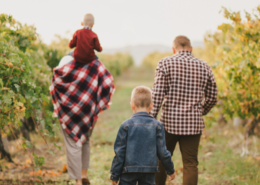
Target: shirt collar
x: 187, y: 53
x: 87, y: 27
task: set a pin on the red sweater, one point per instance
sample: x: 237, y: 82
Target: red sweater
x: 85, y: 41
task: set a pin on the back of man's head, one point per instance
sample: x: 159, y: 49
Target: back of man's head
x: 88, y: 20
x: 181, y: 43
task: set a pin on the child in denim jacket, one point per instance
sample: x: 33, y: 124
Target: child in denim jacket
x: 139, y: 144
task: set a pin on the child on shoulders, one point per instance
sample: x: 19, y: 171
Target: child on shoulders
x: 85, y: 41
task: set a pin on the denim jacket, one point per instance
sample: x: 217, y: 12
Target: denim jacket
x: 139, y: 144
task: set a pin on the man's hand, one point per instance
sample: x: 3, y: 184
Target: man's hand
x: 113, y: 182
x: 171, y: 177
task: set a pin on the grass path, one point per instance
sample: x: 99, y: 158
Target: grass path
x: 109, y: 121
x: 220, y: 148
x: 222, y: 155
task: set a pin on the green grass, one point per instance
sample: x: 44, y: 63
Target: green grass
x: 220, y: 160
x: 109, y: 122
x: 219, y: 154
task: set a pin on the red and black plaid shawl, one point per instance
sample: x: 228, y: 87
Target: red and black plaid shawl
x: 79, y: 92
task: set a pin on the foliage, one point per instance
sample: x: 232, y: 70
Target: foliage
x: 152, y: 59
x: 25, y: 72
x: 116, y: 63
x: 235, y: 54
x: 56, y: 50
x: 24, y: 77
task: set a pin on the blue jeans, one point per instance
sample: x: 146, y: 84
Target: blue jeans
x: 133, y: 178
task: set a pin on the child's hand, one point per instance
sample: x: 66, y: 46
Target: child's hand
x: 113, y: 182
x: 171, y: 177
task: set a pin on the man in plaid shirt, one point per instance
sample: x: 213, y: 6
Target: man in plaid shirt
x: 186, y: 90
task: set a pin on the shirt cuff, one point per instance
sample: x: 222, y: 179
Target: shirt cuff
x: 114, y: 178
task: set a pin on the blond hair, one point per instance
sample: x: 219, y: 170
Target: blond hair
x: 141, y: 97
x: 88, y: 20
x: 181, y: 42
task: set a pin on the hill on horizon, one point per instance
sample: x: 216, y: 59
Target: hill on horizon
x: 138, y: 52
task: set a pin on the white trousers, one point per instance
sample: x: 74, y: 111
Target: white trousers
x: 77, y: 157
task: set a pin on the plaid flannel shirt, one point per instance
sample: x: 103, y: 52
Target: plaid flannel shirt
x: 79, y: 92
x: 180, y: 84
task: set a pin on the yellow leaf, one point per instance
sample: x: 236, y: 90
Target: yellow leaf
x: 10, y: 64
x: 64, y: 169
x: 258, y: 63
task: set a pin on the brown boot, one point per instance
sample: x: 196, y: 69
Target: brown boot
x: 85, y: 181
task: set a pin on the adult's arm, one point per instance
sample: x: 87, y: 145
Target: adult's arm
x: 97, y: 45
x: 158, y: 91
x: 120, y: 152
x: 163, y: 154
x: 210, y: 93
x: 73, y: 41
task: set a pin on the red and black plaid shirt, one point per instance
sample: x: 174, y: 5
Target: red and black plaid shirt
x: 181, y: 82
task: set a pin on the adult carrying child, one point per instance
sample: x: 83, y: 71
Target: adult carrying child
x: 79, y: 90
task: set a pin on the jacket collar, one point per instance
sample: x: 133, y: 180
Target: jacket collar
x: 141, y: 114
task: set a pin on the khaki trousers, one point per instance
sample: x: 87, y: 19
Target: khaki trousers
x: 189, y: 145
x: 77, y: 157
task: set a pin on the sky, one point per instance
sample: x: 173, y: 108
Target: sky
x: 121, y: 23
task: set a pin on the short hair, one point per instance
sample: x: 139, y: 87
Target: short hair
x: 141, y: 96
x: 181, y: 42
x: 88, y: 19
